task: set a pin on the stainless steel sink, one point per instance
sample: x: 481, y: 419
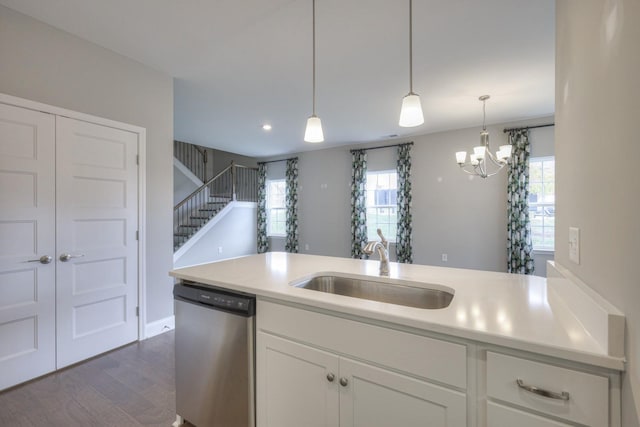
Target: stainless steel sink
x: 391, y: 293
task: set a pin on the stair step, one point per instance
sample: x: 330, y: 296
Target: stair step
x: 181, y: 234
x: 190, y: 225
x: 200, y: 217
x: 208, y: 210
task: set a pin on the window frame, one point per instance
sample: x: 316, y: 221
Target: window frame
x: 391, y: 237
x: 543, y: 204
x: 270, y: 209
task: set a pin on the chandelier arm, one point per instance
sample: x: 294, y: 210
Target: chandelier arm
x: 480, y: 169
x: 493, y: 159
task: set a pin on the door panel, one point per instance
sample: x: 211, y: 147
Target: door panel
x: 375, y: 397
x: 27, y: 227
x: 292, y: 387
x: 97, y: 190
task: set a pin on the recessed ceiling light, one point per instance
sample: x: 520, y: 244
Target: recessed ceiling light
x: 266, y: 126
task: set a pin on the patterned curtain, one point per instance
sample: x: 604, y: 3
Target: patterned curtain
x: 358, y: 203
x: 263, y: 242
x: 291, y: 201
x: 403, y: 237
x: 519, y: 244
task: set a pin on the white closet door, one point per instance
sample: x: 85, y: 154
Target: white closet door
x: 27, y: 214
x: 97, y: 220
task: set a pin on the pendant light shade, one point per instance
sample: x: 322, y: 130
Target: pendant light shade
x: 411, y: 111
x: 313, y: 132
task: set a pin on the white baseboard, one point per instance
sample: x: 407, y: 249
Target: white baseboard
x: 159, y: 326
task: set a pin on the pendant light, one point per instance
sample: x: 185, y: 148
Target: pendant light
x: 411, y: 111
x: 313, y: 132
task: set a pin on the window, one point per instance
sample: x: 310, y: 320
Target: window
x: 542, y: 196
x: 382, y: 205
x: 276, y: 211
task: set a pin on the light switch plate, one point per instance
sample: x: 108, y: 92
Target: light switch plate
x: 574, y: 244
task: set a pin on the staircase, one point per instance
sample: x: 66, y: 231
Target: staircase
x: 235, y: 182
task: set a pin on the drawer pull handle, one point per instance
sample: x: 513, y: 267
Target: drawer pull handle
x: 542, y: 392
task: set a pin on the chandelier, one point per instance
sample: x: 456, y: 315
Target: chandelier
x: 482, y: 162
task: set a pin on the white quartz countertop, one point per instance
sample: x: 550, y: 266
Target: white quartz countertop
x: 516, y: 311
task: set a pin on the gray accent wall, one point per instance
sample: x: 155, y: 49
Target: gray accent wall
x: 453, y: 214
x: 232, y: 236
x: 41, y: 63
x: 597, y: 151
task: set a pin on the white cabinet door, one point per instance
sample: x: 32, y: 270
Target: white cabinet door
x: 97, y: 220
x: 292, y: 384
x: 374, y: 397
x: 27, y: 215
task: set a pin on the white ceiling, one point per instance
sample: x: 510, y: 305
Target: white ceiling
x: 240, y: 63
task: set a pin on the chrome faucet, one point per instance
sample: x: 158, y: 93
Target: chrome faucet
x: 383, y: 251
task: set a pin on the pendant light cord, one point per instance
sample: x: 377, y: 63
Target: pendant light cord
x: 314, y: 55
x: 410, y: 46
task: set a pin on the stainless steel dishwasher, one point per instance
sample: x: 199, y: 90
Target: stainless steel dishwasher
x: 214, y: 353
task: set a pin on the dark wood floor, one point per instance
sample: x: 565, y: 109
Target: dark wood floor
x: 131, y: 386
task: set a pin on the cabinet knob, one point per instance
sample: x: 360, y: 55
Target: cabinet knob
x: 344, y: 382
x: 330, y: 377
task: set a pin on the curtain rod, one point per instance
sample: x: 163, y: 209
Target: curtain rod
x: 276, y: 161
x: 529, y: 127
x: 383, y: 146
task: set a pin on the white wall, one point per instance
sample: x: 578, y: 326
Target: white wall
x: 234, y: 233
x: 597, y: 150
x: 464, y: 218
x: 41, y: 63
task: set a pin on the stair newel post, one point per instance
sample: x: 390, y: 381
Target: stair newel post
x: 233, y: 180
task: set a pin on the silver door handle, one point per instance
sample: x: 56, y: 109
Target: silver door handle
x: 44, y: 259
x: 67, y: 257
x: 564, y: 395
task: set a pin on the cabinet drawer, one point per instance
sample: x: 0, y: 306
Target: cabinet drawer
x: 425, y: 357
x: 588, y: 401
x: 502, y: 416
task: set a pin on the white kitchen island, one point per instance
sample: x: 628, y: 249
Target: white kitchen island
x: 332, y: 360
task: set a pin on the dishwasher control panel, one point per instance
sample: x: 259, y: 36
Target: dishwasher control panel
x: 215, y: 297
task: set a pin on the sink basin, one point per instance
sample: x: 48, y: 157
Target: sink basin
x: 391, y: 293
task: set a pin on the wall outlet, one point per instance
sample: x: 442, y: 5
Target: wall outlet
x: 574, y: 244
x: 219, y: 249
x: 445, y: 257
x: 306, y: 246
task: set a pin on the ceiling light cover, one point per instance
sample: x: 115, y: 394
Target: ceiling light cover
x: 411, y: 112
x: 313, y: 133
